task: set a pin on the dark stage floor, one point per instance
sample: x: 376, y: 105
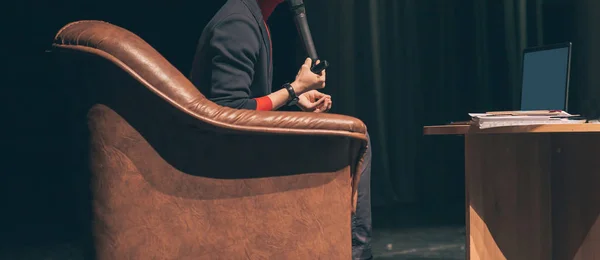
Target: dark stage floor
x: 418, y: 243
x: 400, y: 232
x: 419, y: 233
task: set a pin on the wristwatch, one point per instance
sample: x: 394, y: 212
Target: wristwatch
x: 293, y: 99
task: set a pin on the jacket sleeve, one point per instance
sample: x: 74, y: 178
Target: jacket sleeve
x: 235, y: 44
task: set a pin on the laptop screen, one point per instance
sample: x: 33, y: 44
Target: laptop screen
x: 545, y: 78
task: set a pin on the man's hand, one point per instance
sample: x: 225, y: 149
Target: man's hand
x: 306, y: 80
x: 314, y: 101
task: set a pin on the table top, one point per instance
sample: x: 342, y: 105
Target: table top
x: 468, y: 129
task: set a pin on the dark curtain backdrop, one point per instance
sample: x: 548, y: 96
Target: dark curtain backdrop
x: 396, y: 64
x: 403, y: 64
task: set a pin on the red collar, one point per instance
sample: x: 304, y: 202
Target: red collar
x: 267, y: 7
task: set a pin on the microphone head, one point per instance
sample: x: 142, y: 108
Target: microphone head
x: 297, y: 6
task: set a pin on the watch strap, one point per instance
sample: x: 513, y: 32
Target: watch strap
x: 293, y: 98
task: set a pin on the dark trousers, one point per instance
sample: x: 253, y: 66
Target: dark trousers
x: 362, y: 228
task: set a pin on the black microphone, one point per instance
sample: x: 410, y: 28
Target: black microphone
x: 297, y: 7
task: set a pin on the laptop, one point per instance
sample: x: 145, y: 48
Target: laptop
x: 545, y: 77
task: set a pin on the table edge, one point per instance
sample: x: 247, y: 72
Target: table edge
x: 551, y: 128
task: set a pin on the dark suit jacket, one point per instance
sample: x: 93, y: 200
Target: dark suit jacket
x: 232, y: 64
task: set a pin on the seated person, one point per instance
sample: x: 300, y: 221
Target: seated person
x: 233, y: 67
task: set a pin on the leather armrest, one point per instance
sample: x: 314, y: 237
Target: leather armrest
x: 144, y: 63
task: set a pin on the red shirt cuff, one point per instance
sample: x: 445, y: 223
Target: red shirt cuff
x: 264, y: 104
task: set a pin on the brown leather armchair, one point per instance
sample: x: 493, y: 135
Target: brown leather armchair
x: 175, y: 176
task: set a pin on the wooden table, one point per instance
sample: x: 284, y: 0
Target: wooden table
x: 532, y: 192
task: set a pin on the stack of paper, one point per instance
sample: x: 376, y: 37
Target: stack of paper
x: 523, y: 118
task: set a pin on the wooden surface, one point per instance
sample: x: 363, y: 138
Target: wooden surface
x: 508, y: 198
x: 533, y: 196
x: 467, y: 129
x: 576, y: 196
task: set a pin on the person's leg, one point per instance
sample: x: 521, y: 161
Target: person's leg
x: 361, y: 220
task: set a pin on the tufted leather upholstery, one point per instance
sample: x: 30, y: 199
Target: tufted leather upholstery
x: 175, y: 176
